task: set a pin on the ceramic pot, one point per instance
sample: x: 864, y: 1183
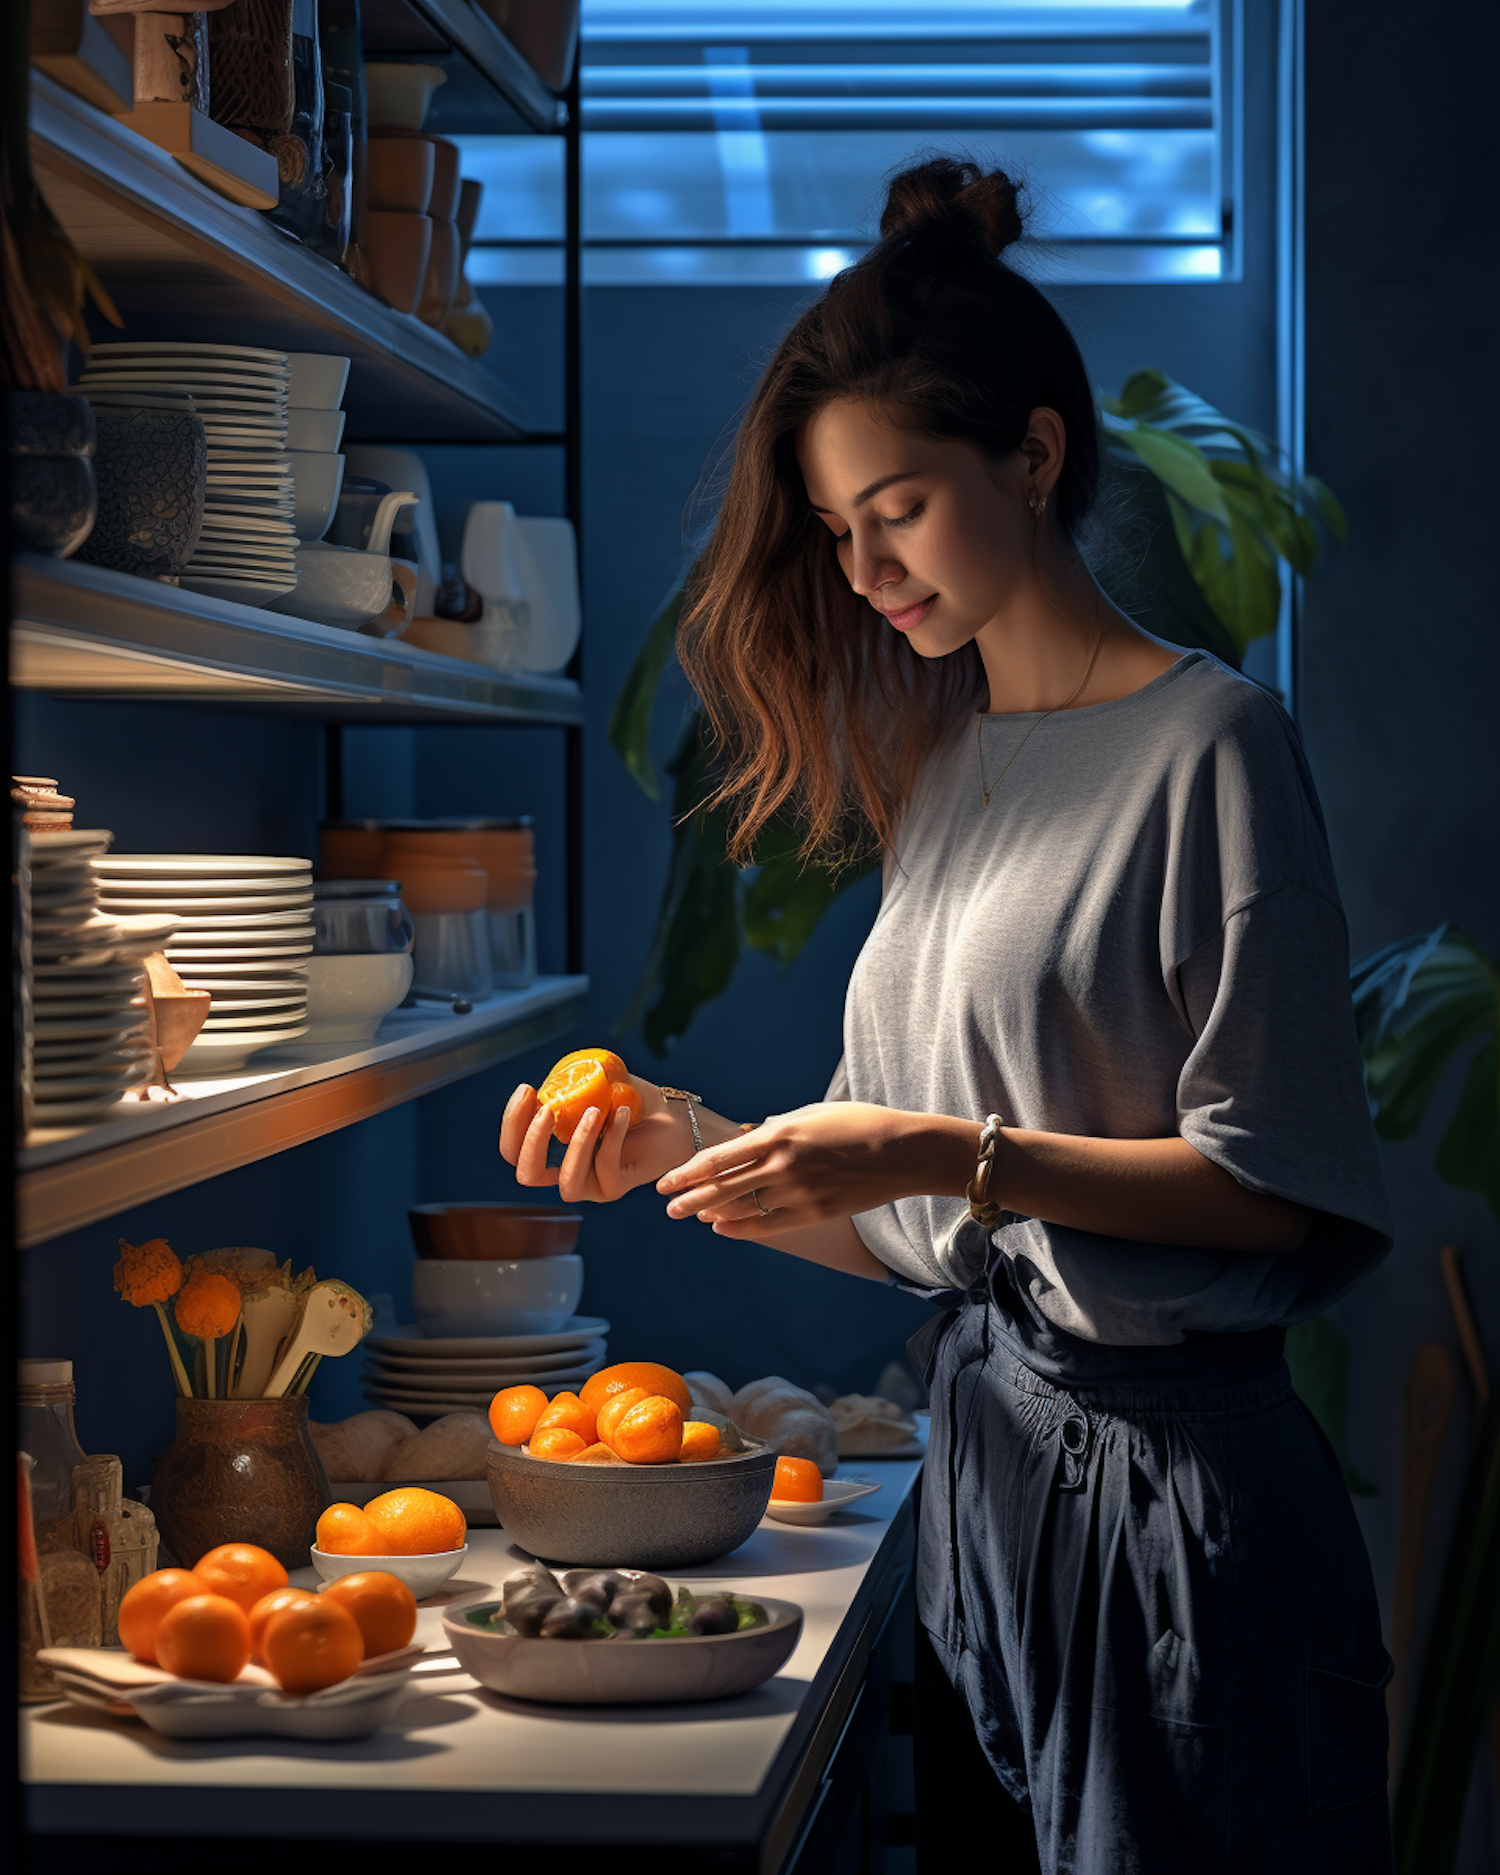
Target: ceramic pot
x: 400, y: 173
x: 240, y: 1471
x: 397, y: 247
x: 53, y: 499
x: 150, y: 467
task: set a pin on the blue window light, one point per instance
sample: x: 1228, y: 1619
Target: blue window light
x: 745, y: 141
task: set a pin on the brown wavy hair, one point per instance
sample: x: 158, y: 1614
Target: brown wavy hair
x: 820, y: 715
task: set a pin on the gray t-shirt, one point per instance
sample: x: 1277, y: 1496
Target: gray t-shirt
x: 1140, y: 936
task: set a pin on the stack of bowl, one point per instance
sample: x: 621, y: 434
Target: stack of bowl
x: 494, y: 1289
x: 244, y: 931
x: 400, y: 172
x: 314, y: 430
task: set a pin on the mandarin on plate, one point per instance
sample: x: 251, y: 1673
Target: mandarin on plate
x: 797, y: 1480
x: 651, y: 1376
x: 313, y: 1645
x: 345, y: 1530
x: 242, y: 1571
x: 383, y: 1607
x: 206, y: 1637
x: 514, y: 1412
x: 145, y: 1603
x: 650, y: 1432
x: 415, y: 1522
x: 269, y: 1605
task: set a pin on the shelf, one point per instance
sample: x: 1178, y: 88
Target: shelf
x: 490, y: 87
x: 183, y: 263
x: 65, y: 1180
x: 85, y: 631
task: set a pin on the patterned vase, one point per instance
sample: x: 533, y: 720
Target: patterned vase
x: 150, y: 467
x: 49, y: 438
x: 240, y: 1471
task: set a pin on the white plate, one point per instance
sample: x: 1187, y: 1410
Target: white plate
x: 507, y: 1371
x: 194, y: 865
x: 418, y: 1409
x: 236, y: 591
x: 283, y: 1015
x: 296, y: 924
x: 257, y: 978
x: 226, y: 1054
x: 209, y: 954
x: 837, y: 1492
x: 74, y: 1112
x: 225, y: 379
x: 271, y: 901
x: 101, y: 1089
x: 211, y: 889
x: 410, y: 1340
x: 74, y: 839
x: 237, y: 993
x: 82, y: 1028
x: 122, y: 348
x: 471, y: 1391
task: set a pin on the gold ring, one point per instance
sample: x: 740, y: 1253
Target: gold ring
x: 758, y: 1205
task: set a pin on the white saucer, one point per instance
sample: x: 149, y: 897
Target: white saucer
x: 837, y: 1493
x: 411, y: 1341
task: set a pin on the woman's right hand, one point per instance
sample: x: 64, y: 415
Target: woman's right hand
x: 606, y: 1156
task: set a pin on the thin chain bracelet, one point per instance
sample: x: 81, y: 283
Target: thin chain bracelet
x: 681, y: 1093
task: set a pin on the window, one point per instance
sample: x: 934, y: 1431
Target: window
x: 745, y: 140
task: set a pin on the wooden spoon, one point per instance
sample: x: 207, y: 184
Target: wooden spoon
x: 269, y: 1314
x: 1430, y: 1386
x: 336, y: 1318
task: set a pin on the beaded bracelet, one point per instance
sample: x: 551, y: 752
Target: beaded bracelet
x: 981, y: 1207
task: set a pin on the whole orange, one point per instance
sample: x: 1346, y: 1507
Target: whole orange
x: 345, y: 1530
x: 269, y: 1605
x: 699, y: 1441
x: 145, y: 1603
x: 205, y: 1637
x: 650, y: 1432
x: 514, y: 1412
x: 569, y: 1411
x: 556, y: 1442
x: 242, y: 1571
x: 651, y: 1375
x: 313, y: 1645
x: 799, y: 1480
x: 383, y: 1607
x: 418, y: 1523
x: 614, y: 1407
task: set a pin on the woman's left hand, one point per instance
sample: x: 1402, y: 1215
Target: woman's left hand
x: 829, y: 1160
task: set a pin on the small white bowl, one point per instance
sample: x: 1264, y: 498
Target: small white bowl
x: 530, y: 1296
x: 318, y: 476
x: 423, y: 1575
x: 318, y: 380
x: 837, y: 1492
x: 347, y: 997
x: 397, y: 97
x: 314, y: 429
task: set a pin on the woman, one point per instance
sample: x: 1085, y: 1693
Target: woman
x: 1100, y: 1092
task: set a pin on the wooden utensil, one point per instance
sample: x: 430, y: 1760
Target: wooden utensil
x: 335, y: 1319
x: 269, y: 1315
x: 1430, y: 1386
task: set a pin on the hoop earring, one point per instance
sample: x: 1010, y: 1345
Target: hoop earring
x: 1038, y: 504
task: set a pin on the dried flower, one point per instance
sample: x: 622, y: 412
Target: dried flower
x: 147, y: 1272
x: 209, y: 1305
x: 244, y: 1266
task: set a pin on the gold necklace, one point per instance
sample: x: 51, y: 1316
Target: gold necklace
x: 987, y: 789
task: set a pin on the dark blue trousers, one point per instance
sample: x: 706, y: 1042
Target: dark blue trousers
x: 1143, y: 1573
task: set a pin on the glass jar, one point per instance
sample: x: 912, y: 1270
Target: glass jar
x: 118, y: 1533
x: 68, y: 1581
x: 451, y: 955
x: 360, y: 918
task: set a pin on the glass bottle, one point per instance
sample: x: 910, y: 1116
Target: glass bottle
x: 118, y: 1533
x: 69, y: 1581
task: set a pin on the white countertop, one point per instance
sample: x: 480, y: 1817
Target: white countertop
x: 514, y: 1761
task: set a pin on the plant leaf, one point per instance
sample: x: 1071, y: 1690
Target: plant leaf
x: 1317, y: 1353
x: 1159, y: 592
x: 1181, y: 465
x: 630, y: 720
x: 1329, y: 507
x: 1468, y: 1154
x: 789, y: 896
x: 1152, y: 397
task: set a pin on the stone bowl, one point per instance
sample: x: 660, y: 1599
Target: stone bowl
x: 629, y: 1516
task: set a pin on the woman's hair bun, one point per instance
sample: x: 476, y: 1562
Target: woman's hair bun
x: 945, y: 192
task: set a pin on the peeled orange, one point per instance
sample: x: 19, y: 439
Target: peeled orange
x: 242, y: 1571
x: 569, y: 1411
x: 589, y: 1077
x: 345, y: 1530
x: 650, y: 1432
x: 383, y: 1607
x: 651, y: 1375
x: 614, y: 1409
x: 700, y: 1440
x: 205, y: 1637
x: 145, y: 1603
x: 556, y: 1442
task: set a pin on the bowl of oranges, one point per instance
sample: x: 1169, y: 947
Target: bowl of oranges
x: 230, y: 1647
x: 622, y: 1473
x: 420, y: 1537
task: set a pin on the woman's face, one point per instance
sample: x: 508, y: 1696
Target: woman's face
x: 936, y: 536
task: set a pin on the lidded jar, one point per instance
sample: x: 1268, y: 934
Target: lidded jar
x: 451, y: 952
x: 360, y: 918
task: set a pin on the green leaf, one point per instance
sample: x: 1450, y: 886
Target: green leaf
x: 1159, y: 592
x: 1152, y: 397
x: 1271, y: 510
x: 789, y: 897
x: 630, y: 720
x: 1181, y: 465
x: 1317, y: 1353
x: 1468, y: 1154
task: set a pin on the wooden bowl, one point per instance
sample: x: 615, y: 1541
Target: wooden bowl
x: 398, y: 246
x: 492, y: 1233
x: 400, y: 173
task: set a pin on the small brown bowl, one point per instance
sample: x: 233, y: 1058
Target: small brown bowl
x: 397, y: 246
x: 399, y: 171
x: 492, y: 1233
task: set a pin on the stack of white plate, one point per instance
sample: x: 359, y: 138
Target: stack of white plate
x: 89, y: 1025
x: 244, y: 934
x: 246, y: 551
x: 422, y: 1376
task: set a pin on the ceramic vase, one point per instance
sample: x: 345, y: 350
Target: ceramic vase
x: 240, y: 1471
x: 50, y: 440
x: 150, y: 467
